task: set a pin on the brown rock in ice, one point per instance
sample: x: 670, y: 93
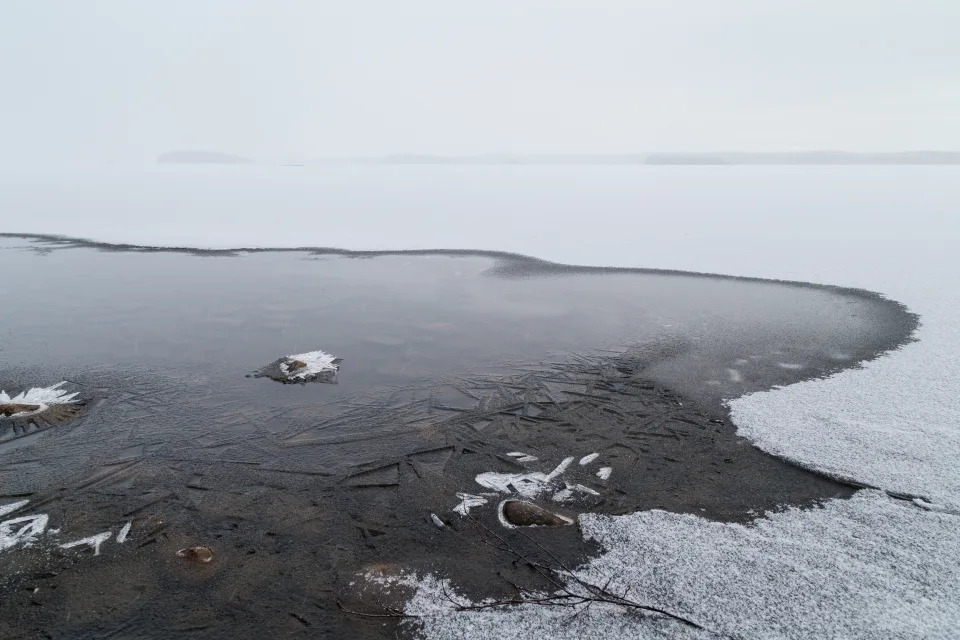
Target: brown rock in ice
x: 8, y: 409
x: 202, y: 555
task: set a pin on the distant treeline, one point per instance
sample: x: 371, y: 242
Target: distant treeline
x: 719, y: 158
x: 807, y: 157
x: 200, y: 157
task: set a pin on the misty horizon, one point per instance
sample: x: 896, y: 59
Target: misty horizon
x: 606, y: 319
x: 113, y: 81
x: 816, y: 157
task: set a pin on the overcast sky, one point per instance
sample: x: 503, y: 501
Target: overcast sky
x: 124, y: 80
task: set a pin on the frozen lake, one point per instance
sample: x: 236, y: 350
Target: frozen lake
x: 886, y: 229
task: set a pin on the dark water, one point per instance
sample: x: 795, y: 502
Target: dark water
x: 395, y: 319
x: 450, y: 362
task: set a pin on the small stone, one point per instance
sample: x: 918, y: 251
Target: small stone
x: 8, y: 409
x: 521, y: 513
x: 295, y: 365
x: 202, y: 555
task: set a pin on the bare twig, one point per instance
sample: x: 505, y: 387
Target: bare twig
x: 565, y: 596
x: 390, y: 612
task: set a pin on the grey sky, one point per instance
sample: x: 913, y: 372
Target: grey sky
x: 124, y: 80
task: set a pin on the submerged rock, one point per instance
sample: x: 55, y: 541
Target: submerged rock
x: 313, y: 366
x: 520, y: 513
x: 201, y: 555
x: 8, y: 409
x: 41, y: 406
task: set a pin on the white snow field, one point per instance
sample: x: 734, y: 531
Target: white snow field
x: 869, y: 567
x: 822, y: 573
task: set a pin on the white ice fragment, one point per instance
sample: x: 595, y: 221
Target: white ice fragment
x: 529, y: 484
x: 23, y: 530
x: 793, y: 366
x: 41, y: 396
x: 568, y: 493
x: 522, y: 457
x: 735, y: 375
x: 526, y: 484
x: 124, y: 532
x: 315, y: 361
x: 560, y: 468
x: 11, y: 507
x: 587, y: 459
x: 437, y: 521
x: 604, y: 473
x: 93, y: 541
x: 467, y: 502
x: 580, y: 487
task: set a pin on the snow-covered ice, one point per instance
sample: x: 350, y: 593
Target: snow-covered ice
x: 795, y: 574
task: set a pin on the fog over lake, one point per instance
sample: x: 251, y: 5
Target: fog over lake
x: 613, y: 318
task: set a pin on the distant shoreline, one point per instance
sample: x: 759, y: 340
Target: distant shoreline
x: 800, y: 158
x: 200, y: 157
x: 809, y: 158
